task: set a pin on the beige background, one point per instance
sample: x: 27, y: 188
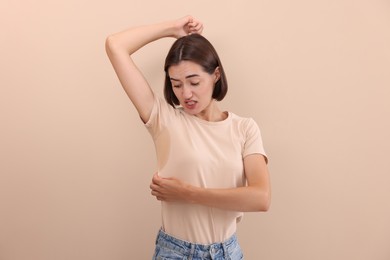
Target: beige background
x: 76, y: 161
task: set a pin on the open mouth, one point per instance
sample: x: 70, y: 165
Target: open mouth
x: 190, y: 104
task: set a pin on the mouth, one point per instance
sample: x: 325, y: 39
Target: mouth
x: 190, y: 104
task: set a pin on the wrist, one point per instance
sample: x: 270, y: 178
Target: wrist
x: 168, y: 29
x: 192, y: 194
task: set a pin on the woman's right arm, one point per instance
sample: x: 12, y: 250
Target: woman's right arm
x: 122, y: 45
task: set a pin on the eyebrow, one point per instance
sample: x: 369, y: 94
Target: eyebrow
x: 187, y: 77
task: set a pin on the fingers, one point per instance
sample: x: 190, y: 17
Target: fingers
x: 155, y: 191
x: 156, y: 179
x: 157, y: 194
x: 155, y: 183
x: 187, y: 25
x: 195, y: 26
x: 164, y: 189
x: 155, y: 187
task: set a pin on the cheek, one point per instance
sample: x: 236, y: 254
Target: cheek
x: 175, y: 92
x: 208, y: 89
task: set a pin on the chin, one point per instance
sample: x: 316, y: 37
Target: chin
x: 191, y: 111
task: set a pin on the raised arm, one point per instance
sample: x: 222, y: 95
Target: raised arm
x: 122, y: 45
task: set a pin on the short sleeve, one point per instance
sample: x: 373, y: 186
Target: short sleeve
x: 159, y: 117
x: 253, y: 141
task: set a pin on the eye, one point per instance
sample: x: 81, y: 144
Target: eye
x: 194, y: 83
x: 176, y: 86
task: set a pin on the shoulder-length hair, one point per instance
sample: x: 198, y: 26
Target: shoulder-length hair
x: 198, y: 49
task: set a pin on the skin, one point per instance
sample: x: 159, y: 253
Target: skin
x: 193, y: 87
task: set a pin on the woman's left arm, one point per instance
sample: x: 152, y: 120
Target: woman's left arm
x: 256, y: 196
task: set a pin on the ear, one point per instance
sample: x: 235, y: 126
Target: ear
x: 217, y: 74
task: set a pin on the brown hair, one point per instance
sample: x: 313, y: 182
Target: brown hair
x: 198, y: 49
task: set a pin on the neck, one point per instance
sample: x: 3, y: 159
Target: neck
x: 212, y: 113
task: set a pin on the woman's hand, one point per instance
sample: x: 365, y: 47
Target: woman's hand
x: 187, y: 25
x: 169, y: 189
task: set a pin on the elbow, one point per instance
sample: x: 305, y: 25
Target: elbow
x: 264, y: 202
x: 267, y: 205
x: 111, y: 45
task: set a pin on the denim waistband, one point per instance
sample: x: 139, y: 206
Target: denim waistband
x: 194, y: 249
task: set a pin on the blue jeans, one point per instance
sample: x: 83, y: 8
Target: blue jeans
x: 169, y: 247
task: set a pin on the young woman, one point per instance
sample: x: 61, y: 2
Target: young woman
x: 211, y: 163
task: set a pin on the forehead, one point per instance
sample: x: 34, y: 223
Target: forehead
x: 185, y: 68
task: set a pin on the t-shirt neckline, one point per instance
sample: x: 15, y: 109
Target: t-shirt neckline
x: 202, y: 121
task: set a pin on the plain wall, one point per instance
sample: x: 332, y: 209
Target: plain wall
x: 76, y: 161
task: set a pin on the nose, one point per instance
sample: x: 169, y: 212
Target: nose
x: 187, y: 92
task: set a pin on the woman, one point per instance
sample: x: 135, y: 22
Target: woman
x: 211, y: 163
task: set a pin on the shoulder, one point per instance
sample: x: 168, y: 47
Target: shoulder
x: 244, y: 123
x: 162, y: 111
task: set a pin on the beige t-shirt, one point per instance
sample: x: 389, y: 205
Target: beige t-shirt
x: 204, y: 154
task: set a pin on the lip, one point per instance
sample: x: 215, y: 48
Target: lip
x: 190, y: 104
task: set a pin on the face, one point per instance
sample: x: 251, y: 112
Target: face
x: 192, y: 86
